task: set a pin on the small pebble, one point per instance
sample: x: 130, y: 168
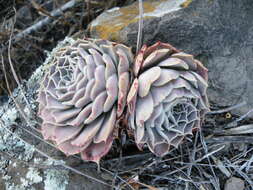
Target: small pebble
x: 234, y: 183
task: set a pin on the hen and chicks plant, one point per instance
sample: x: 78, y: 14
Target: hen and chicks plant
x: 92, y: 84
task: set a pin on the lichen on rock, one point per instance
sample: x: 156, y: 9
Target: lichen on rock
x: 55, y: 179
x: 110, y: 23
x: 33, y: 175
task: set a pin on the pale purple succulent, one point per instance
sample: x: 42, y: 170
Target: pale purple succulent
x: 167, y: 99
x: 82, y: 95
x: 86, y: 88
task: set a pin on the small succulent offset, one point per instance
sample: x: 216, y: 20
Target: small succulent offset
x: 88, y: 85
x: 82, y: 95
x: 167, y: 99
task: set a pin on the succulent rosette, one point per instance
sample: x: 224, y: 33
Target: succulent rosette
x: 82, y: 95
x: 167, y: 99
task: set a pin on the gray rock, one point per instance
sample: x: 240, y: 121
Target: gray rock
x: 218, y: 32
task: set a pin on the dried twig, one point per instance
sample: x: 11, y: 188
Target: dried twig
x: 215, y: 181
x: 140, y: 27
x: 56, y: 13
x: 244, y: 116
x: 231, y: 139
x: 243, y: 129
x: 38, y: 25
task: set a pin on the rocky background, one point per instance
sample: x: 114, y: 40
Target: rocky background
x: 217, y: 32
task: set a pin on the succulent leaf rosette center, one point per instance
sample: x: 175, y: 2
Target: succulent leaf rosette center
x: 83, y: 92
x: 167, y: 99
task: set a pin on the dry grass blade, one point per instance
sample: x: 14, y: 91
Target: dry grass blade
x: 40, y: 9
x: 148, y: 186
x: 207, y: 155
x: 140, y: 27
x: 249, y: 162
x: 231, y: 139
x: 244, y: 115
x: 221, y: 166
x: 244, y: 129
x: 215, y: 180
x: 228, y: 109
x: 11, y: 65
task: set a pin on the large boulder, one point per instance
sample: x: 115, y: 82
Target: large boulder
x: 218, y: 32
